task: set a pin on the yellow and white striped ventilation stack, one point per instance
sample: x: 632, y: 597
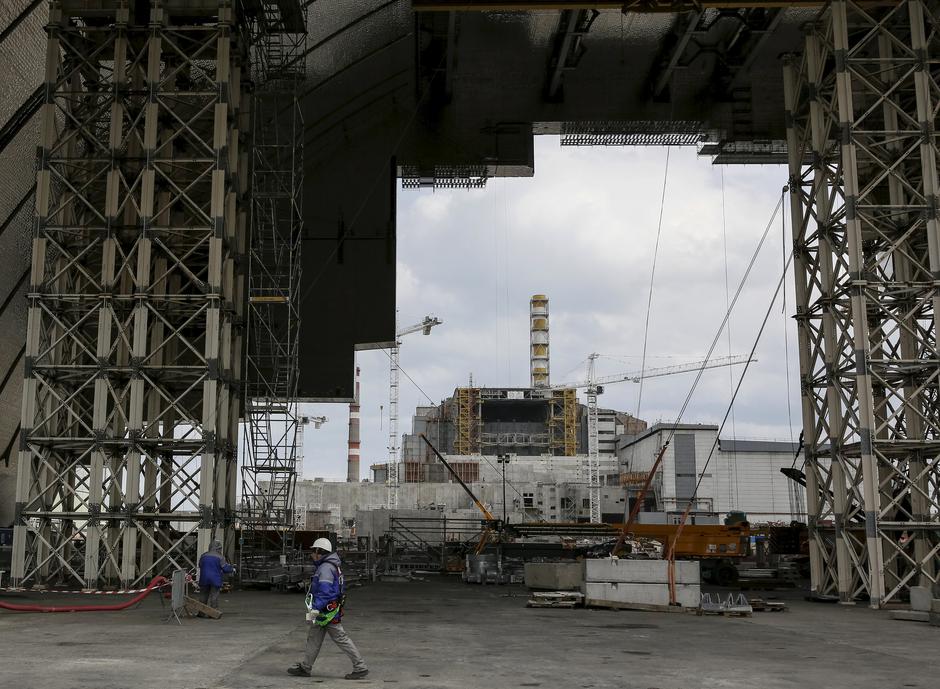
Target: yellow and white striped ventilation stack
x: 538, y: 341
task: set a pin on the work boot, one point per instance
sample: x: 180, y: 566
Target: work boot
x: 357, y: 674
x: 298, y: 671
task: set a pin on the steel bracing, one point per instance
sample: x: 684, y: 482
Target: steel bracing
x: 272, y: 430
x: 130, y: 395
x: 862, y: 106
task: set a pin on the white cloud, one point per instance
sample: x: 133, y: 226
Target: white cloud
x: 433, y: 208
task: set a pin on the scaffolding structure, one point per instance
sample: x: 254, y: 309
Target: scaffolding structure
x: 468, y: 421
x: 563, y: 422
x: 132, y: 367
x: 273, y: 424
x: 862, y: 108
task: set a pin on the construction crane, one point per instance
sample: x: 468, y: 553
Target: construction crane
x: 594, y: 386
x: 391, y: 476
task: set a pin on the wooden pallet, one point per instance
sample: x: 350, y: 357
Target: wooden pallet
x: 555, y: 599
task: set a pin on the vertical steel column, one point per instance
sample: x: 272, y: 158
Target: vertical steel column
x: 858, y: 306
x: 923, y: 471
x: 25, y: 546
x: 804, y: 259
x: 825, y: 190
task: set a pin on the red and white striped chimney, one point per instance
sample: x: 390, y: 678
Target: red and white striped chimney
x: 352, y: 462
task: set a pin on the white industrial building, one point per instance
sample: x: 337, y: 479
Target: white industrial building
x: 742, y: 475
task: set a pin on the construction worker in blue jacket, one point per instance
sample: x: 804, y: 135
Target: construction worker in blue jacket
x: 325, y: 612
x: 212, y: 566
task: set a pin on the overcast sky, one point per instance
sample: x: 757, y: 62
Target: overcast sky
x: 583, y: 232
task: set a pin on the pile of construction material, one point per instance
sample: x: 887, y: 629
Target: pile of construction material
x: 640, y: 584
x: 761, y: 605
x: 555, y: 599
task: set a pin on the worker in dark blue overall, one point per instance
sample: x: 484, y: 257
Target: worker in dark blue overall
x: 212, y: 566
x: 325, y: 612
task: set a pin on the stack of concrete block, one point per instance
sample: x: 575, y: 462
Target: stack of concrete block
x: 925, y: 606
x: 554, y: 576
x: 640, y: 584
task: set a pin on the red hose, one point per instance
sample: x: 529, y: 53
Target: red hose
x: 16, y: 607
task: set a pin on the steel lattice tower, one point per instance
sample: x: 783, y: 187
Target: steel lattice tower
x: 862, y: 110
x: 272, y: 423
x: 130, y: 398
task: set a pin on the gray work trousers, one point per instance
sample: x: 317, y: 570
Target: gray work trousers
x: 209, y: 595
x: 315, y: 634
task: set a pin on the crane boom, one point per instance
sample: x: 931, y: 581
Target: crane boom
x: 637, y: 376
x: 425, y: 326
x: 479, y: 505
x: 488, y: 517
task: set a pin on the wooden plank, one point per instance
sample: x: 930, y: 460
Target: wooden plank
x: 194, y: 607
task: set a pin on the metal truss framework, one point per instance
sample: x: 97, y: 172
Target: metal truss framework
x: 273, y: 424
x: 130, y: 405
x: 862, y: 107
x: 392, y: 479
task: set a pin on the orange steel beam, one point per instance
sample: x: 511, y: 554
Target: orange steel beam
x: 625, y: 5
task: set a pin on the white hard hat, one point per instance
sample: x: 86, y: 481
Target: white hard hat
x: 323, y: 544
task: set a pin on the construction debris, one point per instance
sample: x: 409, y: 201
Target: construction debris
x: 555, y: 599
x: 735, y: 605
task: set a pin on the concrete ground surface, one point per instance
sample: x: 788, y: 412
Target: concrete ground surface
x: 443, y: 634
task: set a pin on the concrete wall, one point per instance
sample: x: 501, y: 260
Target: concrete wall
x: 545, y: 488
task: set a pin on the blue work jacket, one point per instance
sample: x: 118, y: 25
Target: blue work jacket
x: 212, y: 566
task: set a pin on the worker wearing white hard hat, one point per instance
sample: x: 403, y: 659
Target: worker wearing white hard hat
x: 324, y: 601
x: 322, y: 544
